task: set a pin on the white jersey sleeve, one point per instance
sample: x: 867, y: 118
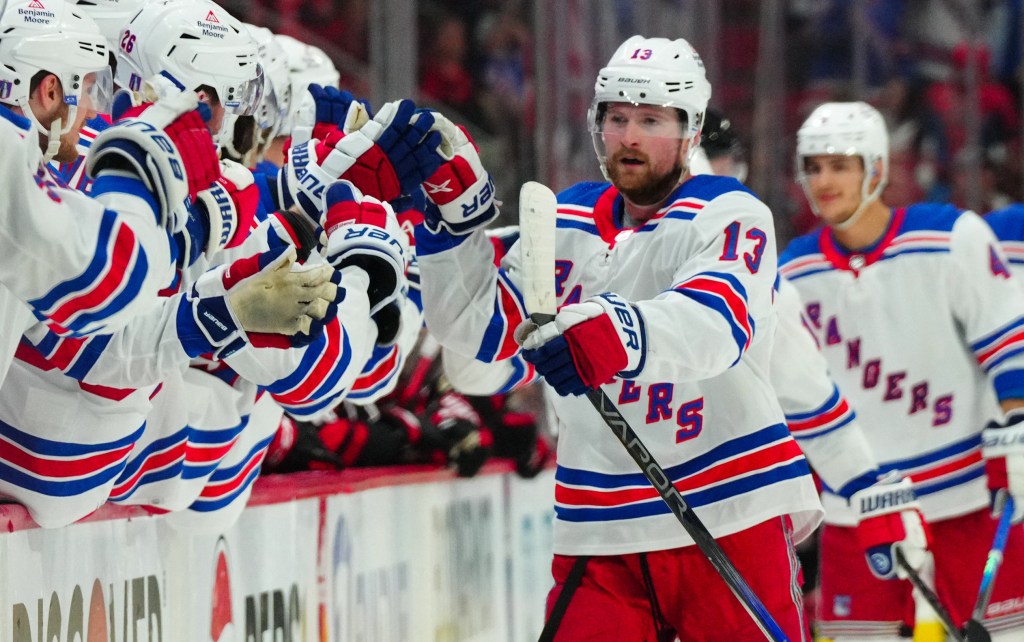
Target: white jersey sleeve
x: 986, y: 302
x: 84, y: 265
x: 818, y: 415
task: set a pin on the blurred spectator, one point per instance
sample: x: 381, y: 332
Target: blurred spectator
x: 949, y: 100
x: 444, y: 76
x: 505, y: 42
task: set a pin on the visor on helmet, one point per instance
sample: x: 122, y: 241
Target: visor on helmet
x: 97, y: 92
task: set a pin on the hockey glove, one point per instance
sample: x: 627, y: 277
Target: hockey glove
x: 1003, y: 449
x: 258, y: 294
x: 230, y: 206
x: 298, y: 446
x: 364, y: 232
x: 456, y: 431
x: 167, y: 146
x: 323, y: 109
x: 461, y: 191
x: 517, y: 437
x: 889, y: 517
x: 588, y: 344
x: 293, y: 228
x: 388, y: 156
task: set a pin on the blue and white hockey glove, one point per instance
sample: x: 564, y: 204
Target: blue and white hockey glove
x: 166, y: 145
x: 388, y: 156
x: 364, y: 232
x: 324, y: 109
x: 1003, y: 449
x: 889, y: 517
x: 461, y: 189
x: 230, y: 305
x: 588, y: 344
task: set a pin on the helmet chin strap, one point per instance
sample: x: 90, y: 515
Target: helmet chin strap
x: 53, y: 140
x: 53, y: 133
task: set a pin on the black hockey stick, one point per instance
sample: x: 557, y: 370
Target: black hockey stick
x: 929, y: 595
x: 537, y: 208
x: 975, y: 631
x: 701, y: 536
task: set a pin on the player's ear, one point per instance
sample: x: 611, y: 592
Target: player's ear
x: 48, y: 93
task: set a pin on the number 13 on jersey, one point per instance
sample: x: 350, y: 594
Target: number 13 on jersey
x: 733, y: 235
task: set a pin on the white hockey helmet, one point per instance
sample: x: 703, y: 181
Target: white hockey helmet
x: 195, y: 42
x: 51, y: 36
x: 306, y: 65
x: 652, y: 71
x: 245, y: 138
x: 110, y: 15
x: 848, y: 129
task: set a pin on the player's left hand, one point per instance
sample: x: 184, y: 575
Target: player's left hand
x: 889, y: 517
x: 588, y: 344
x: 1003, y: 449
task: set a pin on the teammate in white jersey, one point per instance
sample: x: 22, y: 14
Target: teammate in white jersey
x: 665, y: 287
x: 920, y: 323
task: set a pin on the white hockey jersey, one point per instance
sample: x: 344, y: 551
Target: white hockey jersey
x: 79, y: 264
x: 819, y: 416
x: 701, y: 273
x: 123, y: 416
x: 922, y: 332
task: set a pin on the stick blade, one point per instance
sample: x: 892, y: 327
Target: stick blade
x: 976, y: 632
x: 537, y: 213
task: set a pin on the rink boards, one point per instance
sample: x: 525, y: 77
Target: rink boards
x: 354, y: 556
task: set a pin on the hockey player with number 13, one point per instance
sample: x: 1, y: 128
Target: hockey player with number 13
x: 664, y: 284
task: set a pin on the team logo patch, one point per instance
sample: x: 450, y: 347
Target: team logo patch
x: 5, y: 89
x: 841, y: 606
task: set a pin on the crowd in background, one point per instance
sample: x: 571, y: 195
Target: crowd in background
x: 477, y: 59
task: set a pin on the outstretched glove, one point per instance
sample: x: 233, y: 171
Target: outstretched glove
x: 258, y: 294
x: 1003, y: 449
x: 323, y: 109
x: 461, y: 192
x: 588, y: 344
x: 388, y: 156
x: 364, y: 232
x: 889, y: 517
x: 166, y: 145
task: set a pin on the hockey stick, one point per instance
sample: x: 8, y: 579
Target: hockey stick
x: 929, y: 595
x: 537, y: 208
x: 975, y: 631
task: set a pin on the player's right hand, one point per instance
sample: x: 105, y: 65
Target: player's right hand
x: 264, y: 299
x: 1003, y: 449
x: 889, y: 518
x: 588, y: 344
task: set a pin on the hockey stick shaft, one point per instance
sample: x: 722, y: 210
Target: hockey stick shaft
x: 929, y: 595
x: 975, y: 630
x: 681, y: 509
x: 995, y: 558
